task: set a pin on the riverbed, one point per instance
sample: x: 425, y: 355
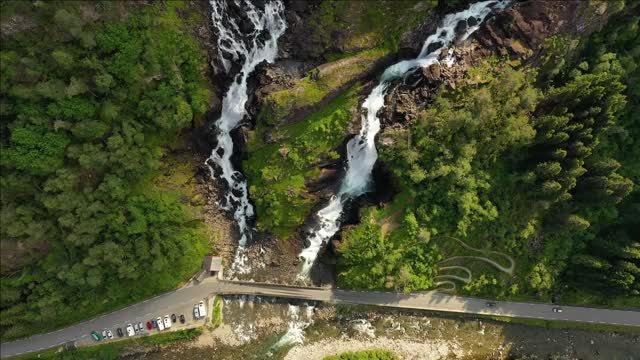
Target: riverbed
x: 253, y: 329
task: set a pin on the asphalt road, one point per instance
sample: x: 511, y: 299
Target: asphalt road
x: 181, y: 302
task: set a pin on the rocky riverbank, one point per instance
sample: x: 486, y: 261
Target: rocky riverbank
x: 252, y: 329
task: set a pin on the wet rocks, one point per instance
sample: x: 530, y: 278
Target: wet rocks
x: 411, y: 42
x: 461, y: 27
x: 472, y: 21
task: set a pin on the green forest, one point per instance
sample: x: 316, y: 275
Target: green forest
x: 540, y: 162
x: 517, y: 179
x: 88, y: 100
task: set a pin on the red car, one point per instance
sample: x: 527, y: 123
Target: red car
x: 149, y: 325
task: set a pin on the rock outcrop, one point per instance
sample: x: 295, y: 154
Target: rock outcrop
x: 518, y: 32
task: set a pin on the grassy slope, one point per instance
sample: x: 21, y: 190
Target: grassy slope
x: 277, y: 172
x: 277, y: 181
x: 309, y: 92
x: 366, y: 35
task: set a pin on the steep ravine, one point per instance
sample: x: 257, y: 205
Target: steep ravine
x: 298, y: 74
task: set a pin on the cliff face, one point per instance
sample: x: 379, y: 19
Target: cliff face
x: 521, y: 30
x: 519, y: 33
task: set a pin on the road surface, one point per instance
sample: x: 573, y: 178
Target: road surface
x: 182, y: 300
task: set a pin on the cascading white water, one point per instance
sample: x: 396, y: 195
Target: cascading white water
x: 297, y: 324
x: 252, y: 49
x: 361, y: 150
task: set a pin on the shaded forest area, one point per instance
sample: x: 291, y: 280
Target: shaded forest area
x: 90, y: 93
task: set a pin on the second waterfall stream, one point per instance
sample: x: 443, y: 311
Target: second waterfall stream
x: 361, y: 150
x: 249, y: 49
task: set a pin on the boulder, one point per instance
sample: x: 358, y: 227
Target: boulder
x: 432, y: 73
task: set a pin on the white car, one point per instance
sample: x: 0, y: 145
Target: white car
x: 167, y: 321
x: 196, y: 313
x: 135, y: 328
x: 159, y: 324
x: 109, y: 334
x: 201, y: 309
x: 104, y: 334
x: 130, y: 331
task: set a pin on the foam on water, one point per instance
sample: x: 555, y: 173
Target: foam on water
x: 251, y: 49
x: 297, y: 324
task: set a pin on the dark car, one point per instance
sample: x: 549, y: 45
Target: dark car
x: 490, y: 304
x: 120, y: 333
x: 154, y: 324
x: 149, y: 325
x: 182, y: 320
x: 173, y: 318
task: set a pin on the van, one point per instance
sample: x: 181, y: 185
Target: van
x: 159, y: 323
x: 201, y: 309
x: 130, y: 331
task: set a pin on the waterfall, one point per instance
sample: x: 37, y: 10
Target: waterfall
x: 250, y: 49
x: 361, y: 150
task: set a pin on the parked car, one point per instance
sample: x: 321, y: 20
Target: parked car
x: 141, y: 327
x: 154, y: 323
x: 182, y: 320
x: 135, y: 328
x: 201, y: 309
x: 149, y: 325
x: 120, y: 333
x: 160, y: 325
x: 96, y: 336
x: 167, y: 322
x: 174, y: 318
x: 130, y: 331
x: 557, y: 310
x: 490, y: 304
x: 104, y: 334
x: 109, y: 334
x: 196, y: 313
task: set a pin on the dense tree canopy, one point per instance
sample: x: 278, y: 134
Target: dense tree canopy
x: 538, y: 162
x: 87, y: 102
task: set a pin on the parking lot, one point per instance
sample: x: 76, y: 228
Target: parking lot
x: 148, y: 314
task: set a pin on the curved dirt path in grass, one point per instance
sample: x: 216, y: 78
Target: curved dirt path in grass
x: 465, y: 280
x: 446, y: 282
x: 509, y: 270
x: 482, y: 258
